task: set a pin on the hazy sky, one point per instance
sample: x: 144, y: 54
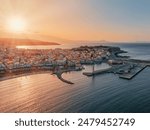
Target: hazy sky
x: 112, y: 20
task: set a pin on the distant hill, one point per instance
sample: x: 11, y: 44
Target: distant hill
x: 19, y: 42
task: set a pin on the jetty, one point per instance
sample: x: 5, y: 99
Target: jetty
x: 59, y: 75
x: 111, y: 69
x: 132, y: 74
x: 97, y: 72
x: 125, y: 71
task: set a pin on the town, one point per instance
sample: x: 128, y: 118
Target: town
x: 14, y: 62
x: 13, y: 59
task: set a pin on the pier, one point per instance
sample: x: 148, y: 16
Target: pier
x: 128, y: 73
x: 97, y: 72
x: 136, y: 71
x: 59, y: 75
x: 132, y: 74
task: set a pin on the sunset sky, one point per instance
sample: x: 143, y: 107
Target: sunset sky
x: 111, y: 20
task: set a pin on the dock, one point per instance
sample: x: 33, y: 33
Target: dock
x: 132, y: 74
x: 97, y: 72
x: 125, y: 75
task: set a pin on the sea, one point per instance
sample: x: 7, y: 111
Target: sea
x: 105, y: 93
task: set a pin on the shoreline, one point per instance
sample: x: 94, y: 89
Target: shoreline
x: 24, y: 74
x: 111, y: 57
x: 58, y: 74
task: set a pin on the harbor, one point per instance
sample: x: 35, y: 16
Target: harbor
x: 128, y: 70
x: 97, y: 72
x: 132, y: 74
x: 17, y: 62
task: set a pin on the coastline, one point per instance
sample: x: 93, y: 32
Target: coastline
x: 119, y: 64
x: 100, y: 88
x: 24, y: 74
x: 57, y: 73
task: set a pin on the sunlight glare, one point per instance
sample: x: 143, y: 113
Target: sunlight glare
x: 16, y: 24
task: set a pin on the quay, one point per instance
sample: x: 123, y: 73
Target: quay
x: 97, y: 72
x: 132, y: 74
x: 136, y: 71
x: 128, y: 73
x: 111, y: 69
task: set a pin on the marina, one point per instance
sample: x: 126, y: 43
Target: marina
x: 127, y: 71
x: 97, y: 72
x: 132, y: 74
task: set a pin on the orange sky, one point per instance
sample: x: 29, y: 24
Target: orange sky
x: 78, y: 19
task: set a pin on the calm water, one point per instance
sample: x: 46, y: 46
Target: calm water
x: 138, y: 51
x: 102, y: 93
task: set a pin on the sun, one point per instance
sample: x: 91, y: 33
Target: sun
x: 16, y: 24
